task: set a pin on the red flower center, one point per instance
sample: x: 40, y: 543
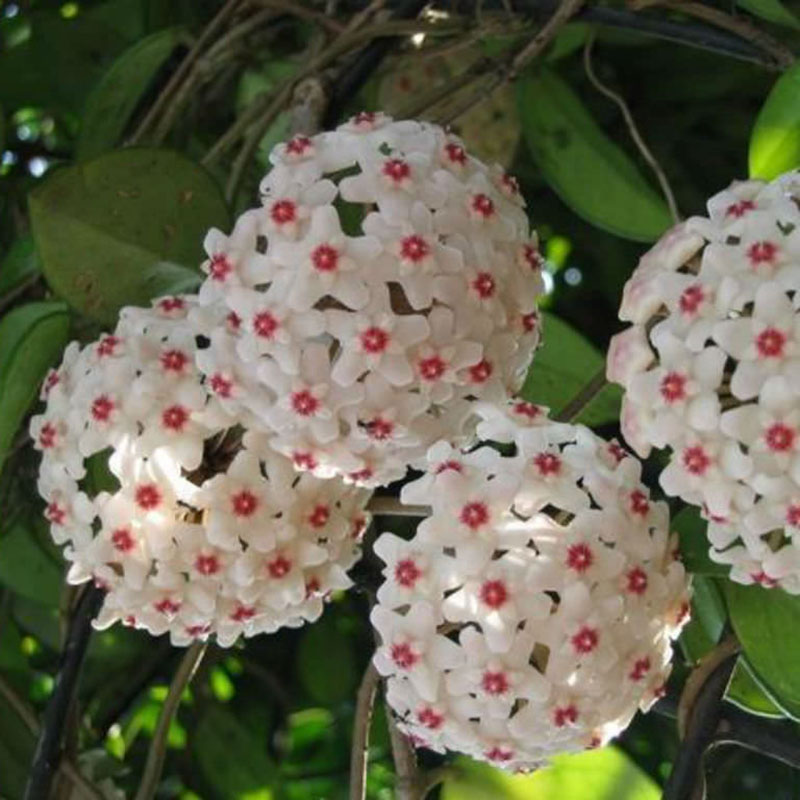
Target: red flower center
x: 407, y: 573
x: 474, y: 515
x: 770, y: 343
x: 102, y: 408
x: 739, y: 209
x: 691, y: 299
x: 640, y: 669
x: 220, y: 267
x: 430, y: 718
x: 122, y: 540
x: 696, y: 460
x: 565, y: 715
x: 396, y: 170
x: 175, y: 418
x: 234, y: 320
x: 636, y: 580
x: 762, y: 253
x: 780, y: 437
x: 484, y: 285
x: 449, y: 465
x: 279, y: 567
x: 174, y: 360
x: 221, y: 385
x: 403, y: 655
x: 374, y: 340
x: 455, y: 153
x: 532, y: 256
x: 242, y: 613
x: 525, y: 409
x: 325, y: 258
x: 170, y: 304
x: 494, y: 682
x: 673, y: 387
x: 244, y: 503
x: 107, y: 346
x: 283, y: 212
x: 380, y: 429
x: 585, y: 640
x: 414, y: 249
x: 481, y: 372
x: 55, y: 514
x: 530, y: 322
x: 167, y: 606
x: 547, y: 464
x: 304, y: 460
x: 579, y: 557
x: 793, y: 515
x: 304, y: 403
x: 494, y: 594
x: 319, y: 517
x: 48, y: 436
x: 207, y: 564
x: 499, y: 754
x: 148, y: 496
x: 265, y: 324
x: 298, y: 145
x: 764, y: 580
x: 482, y: 205
x: 639, y: 503
x: 432, y: 368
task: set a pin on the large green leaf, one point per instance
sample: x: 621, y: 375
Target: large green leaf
x: 708, y: 618
x: 124, y: 227
x: 562, y: 366
x: 249, y: 774
x: 114, y: 98
x: 765, y: 621
x: 31, y: 339
x: 16, y: 750
x: 775, y: 140
x: 26, y: 569
x: 19, y: 264
x: 694, y: 546
x: 589, y: 172
x: 745, y: 692
x: 324, y: 644
x: 772, y: 11
x: 606, y: 774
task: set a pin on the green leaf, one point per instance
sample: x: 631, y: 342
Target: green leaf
x: 248, y: 775
x: 590, y: 173
x: 606, y: 774
x: 124, y: 227
x: 114, y: 98
x: 694, y: 546
x: 321, y: 645
x: 31, y: 340
x: 19, y: 264
x: 563, y: 364
x: 775, y: 140
x: 744, y: 691
x: 26, y: 569
x: 708, y: 618
x: 772, y: 11
x: 765, y: 622
x: 16, y: 751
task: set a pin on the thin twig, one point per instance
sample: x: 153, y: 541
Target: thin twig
x: 382, y: 505
x: 47, y: 754
x: 359, y: 751
x: 155, y: 756
x: 633, y: 129
x: 297, y: 9
x: 585, y: 395
x: 408, y: 782
x: 185, y: 68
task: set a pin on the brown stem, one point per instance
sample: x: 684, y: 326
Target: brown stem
x: 409, y: 780
x: 633, y: 129
x: 585, y: 395
x: 359, y: 752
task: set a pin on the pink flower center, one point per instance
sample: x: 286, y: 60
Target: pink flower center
x: 640, y: 669
x: 762, y: 253
x: 242, y: 613
x: 494, y: 594
x: 617, y: 452
x: 221, y: 385
x: 357, y: 527
x: 170, y: 304
x: 484, y: 285
x: 585, y: 640
x: 639, y: 503
x: 691, y: 299
x: 636, y: 580
x: 52, y: 379
x: 532, y: 257
x: 455, y: 153
x: 167, y: 606
x: 565, y: 715
x: 279, y: 567
x: 579, y: 557
x: 530, y: 322
x: 380, y: 429
x: 244, y: 503
x: 414, y: 249
x: 304, y: 403
x: 313, y: 586
x: 364, y: 119
x: 122, y: 540
x: 304, y: 460
x: 474, y: 515
x: 770, y: 343
x: 107, y: 346
x: 283, y: 212
x: 764, y: 580
x: 509, y: 183
x: 198, y: 630
x: 673, y: 387
x: 55, y: 514
x: 47, y: 436
x: 494, y: 682
x: 234, y: 321
x: 298, y: 145
x: 739, y: 209
x: 547, y: 464
x: 102, y: 407
x: 528, y: 410
x: 175, y: 418
x: 220, y: 267
x: 265, y: 324
x: 793, y: 515
x: 481, y: 372
x: 499, y: 754
x: 403, y: 655
x: 451, y: 465
x: 696, y: 460
x: 374, y: 340
x: 325, y: 258
x: 432, y: 368
x: 407, y: 573
x: 207, y: 564
x: 174, y: 361
x: 780, y: 437
x: 396, y: 170
x: 430, y: 718
x: 319, y: 517
x: 148, y: 496
x: 482, y: 205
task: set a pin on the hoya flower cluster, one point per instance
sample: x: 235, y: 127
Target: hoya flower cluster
x: 388, y: 282
x: 711, y: 369
x: 532, y: 612
x: 198, y: 528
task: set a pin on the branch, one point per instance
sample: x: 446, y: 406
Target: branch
x: 585, y: 395
x: 359, y: 752
x: 686, y: 780
x: 408, y: 785
x: 773, y: 738
x: 388, y: 506
x: 155, y: 756
x: 47, y: 755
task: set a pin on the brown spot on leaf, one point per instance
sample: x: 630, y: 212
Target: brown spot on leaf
x: 128, y: 193
x: 186, y: 196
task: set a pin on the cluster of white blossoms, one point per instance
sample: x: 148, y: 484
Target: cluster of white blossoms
x: 387, y: 283
x: 711, y: 369
x: 198, y: 527
x: 532, y: 612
